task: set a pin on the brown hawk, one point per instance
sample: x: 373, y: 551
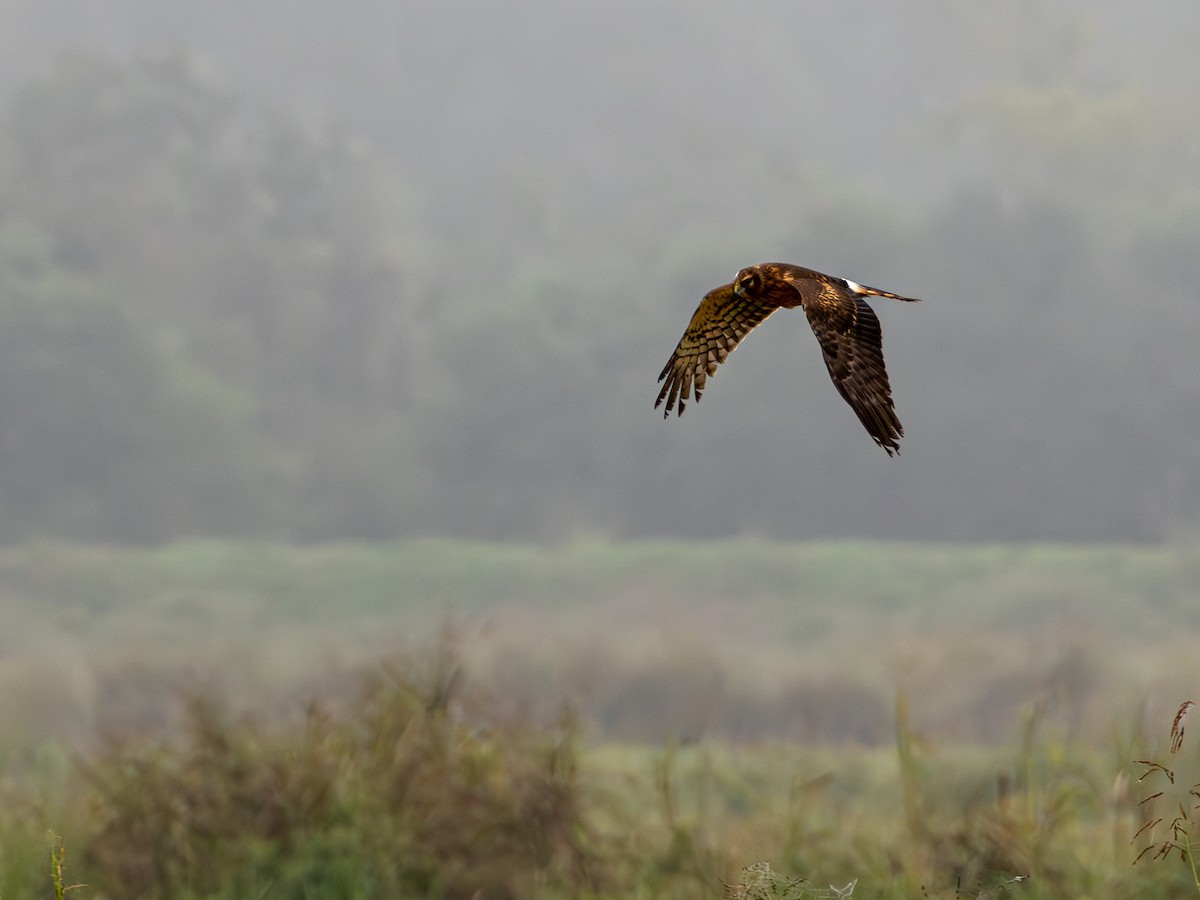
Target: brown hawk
x: 846, y: 328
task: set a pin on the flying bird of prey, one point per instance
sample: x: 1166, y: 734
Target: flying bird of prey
x: 846, y: 328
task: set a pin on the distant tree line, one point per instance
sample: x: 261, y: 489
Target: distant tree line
x: 216, y: 320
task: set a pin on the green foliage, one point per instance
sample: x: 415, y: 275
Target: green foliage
x: 180, y: 314
x: 100, y: 427
x: 659, y: 640
x: 411, y: 790
x: 416, y: 782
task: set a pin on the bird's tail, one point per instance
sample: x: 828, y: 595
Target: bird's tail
x: 863, y: 291
x: 898, y: 297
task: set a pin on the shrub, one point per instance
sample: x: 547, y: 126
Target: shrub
x: 412, y: 790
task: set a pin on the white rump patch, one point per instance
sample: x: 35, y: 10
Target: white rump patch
x: 855, y: 287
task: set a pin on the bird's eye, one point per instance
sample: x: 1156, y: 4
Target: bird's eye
x: 747, y: 283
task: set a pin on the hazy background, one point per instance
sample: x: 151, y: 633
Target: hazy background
x: 329, y: 336
x: 313, y: 271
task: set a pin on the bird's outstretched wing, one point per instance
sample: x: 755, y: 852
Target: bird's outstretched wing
x: 852, y: 344
x: 718, y: 326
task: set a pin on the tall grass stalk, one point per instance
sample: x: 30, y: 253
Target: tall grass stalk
x: 58, y: 856
x: 1182, y: 794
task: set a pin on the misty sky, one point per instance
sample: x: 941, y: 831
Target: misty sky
x: 856, y: 87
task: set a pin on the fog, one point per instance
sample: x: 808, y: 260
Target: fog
x: 314, y: 271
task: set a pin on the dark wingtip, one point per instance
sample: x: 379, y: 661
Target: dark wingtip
x: 670, y: 407
x: 891, y: 444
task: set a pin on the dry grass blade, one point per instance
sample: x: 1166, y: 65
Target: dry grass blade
x: 1151, y: 767
x: 1177, y: 726
x: 1151, y: 824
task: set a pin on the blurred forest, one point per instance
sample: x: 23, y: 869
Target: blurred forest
x: 390, y: 269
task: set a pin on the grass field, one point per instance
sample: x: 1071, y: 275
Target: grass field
x: 598, y: 720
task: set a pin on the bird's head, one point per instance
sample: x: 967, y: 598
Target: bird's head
x: 749, y: 282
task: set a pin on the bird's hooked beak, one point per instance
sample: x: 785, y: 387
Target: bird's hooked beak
x: 739, y: 289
